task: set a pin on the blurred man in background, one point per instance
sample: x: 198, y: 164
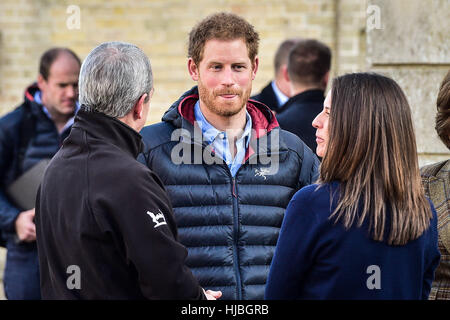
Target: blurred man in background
x: 308, y: 70
x: 31, y: 133
x: 278, y: 91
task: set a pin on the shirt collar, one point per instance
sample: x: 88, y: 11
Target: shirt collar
x: 38, y: 99
x: 281, y: 97
x: 210, y: 133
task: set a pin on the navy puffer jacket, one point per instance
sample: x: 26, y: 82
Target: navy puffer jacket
x: 229, y: 225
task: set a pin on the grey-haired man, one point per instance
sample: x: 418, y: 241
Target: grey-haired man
x: 105, y: 228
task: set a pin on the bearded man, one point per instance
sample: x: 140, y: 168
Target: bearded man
x: 228, y: 168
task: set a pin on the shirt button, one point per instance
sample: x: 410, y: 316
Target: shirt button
x: 221, y: 135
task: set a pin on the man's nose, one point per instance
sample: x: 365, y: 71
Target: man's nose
x: 71, y: 91
x: 228, y: 77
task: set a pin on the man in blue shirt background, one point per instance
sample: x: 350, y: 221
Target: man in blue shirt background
x: 278, y: 91
x: 32, y: 132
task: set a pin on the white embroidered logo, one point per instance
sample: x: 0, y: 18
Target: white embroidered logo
x: 262, y: 172
x: 157, y: 217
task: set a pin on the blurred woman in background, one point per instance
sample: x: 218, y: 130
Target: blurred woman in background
x: 366, y: 230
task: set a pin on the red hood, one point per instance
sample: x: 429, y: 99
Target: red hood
x: 263, y: 119
x: 30, y: 91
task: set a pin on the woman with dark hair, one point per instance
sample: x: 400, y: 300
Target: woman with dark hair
x: 436, y: 181
x: 366, y: 230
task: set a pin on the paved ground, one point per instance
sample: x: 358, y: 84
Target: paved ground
x: 2, y: 266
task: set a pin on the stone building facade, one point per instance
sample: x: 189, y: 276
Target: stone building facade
x: 405, y: 39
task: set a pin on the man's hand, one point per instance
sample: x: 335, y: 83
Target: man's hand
x: 212, y: 295
x: 25, y: 227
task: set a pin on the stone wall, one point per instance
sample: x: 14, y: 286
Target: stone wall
x: 411, y: 45
x: 160, y: 28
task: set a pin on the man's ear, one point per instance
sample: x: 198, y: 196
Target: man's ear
x: 285, y: 73
x: 41, y: 82
x: 325, y: 79
x: 138, y: 109
x: 193, y: 69
x: 255, y: 65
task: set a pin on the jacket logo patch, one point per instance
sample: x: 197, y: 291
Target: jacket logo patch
x: 262, y: 172
x: 158, y: 218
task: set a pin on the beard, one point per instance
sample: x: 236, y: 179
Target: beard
x: 218, y: 105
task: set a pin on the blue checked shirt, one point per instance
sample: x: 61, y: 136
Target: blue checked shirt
x: 219, y: 141
x: 37, y: 98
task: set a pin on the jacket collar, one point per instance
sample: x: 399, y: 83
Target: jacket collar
x: 314, y: 95
x: 35, y: 107
x: 181, y: 115
x: 444, y: 171
x: 182, y: 111
x: 109, y: 129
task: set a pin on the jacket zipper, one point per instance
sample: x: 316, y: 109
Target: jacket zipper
x: 235, y: 230
x: 234, y: 193
x: 235, y: 241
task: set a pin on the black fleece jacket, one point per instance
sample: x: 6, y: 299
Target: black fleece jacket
x: 105, y: 227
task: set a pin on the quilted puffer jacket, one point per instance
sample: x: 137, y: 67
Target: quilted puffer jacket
x: 230, y: 225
